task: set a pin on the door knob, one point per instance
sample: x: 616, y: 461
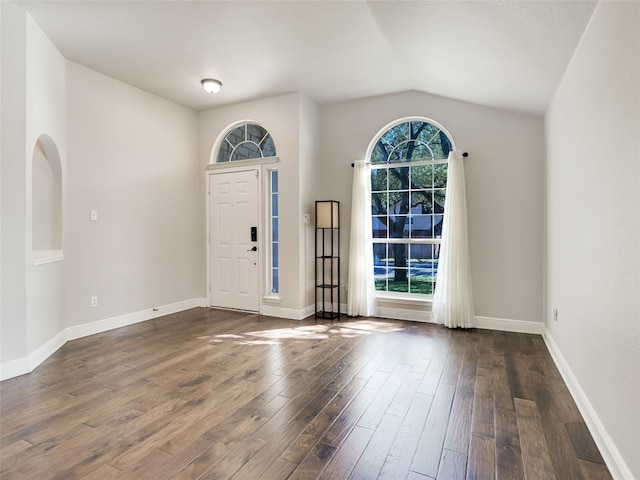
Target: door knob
x: 254, y: 249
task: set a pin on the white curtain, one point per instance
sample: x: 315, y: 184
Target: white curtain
x: 361, y: 287
x: 453, y: 296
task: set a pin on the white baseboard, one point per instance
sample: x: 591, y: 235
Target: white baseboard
x: 509, y: 325
x: 288, y: 313
x: 610, y: 453
x: 14, y: 368
x: 485, y: 323
x: 43, y: 352
x: 27, y: 364
x: 86, y: 329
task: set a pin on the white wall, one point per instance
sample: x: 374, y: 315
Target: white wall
x: 13, y: 290
x: 281, y: 117
x: 593, y: 216
x: 309, y: 158
x: 45, y: 115
x: 133, y: 158
x: 504, y: 173
x: 128, y: 154
x: 33, y: 101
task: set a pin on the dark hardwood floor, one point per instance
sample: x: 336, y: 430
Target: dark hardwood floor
x: 208, y: 394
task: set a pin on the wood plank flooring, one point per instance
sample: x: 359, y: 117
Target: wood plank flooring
x: 209, y: 394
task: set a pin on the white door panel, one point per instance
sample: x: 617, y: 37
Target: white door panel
x: 233, y: 207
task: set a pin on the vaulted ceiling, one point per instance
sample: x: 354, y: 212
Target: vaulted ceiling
x: 505, y: 54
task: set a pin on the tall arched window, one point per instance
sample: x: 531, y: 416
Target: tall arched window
x: 408, y: 181
x: 245, y: 142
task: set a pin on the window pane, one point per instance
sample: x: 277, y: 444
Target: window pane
x: 380, y: 270
x: 379, y: 225
x: 255, y: 133
x: 274, y: 181
x: 380, y: 152
x: 246, y: 150
x: 399, y: 178
x: 421, y: 152
x: 380, y: 254
x: 398, y: 255
x: 398, y: 226
x: 427, y: 132
x: 275, y: 287
x: 399, y: 202
x: 421, y: 176
x: 438, y: 201
x: 422, y: 269
x: 440, y: 175
x: 401, y: 153
x: 437, y: 226
x: 379, y: 204
x: 399, y: 284
x: 421, y: 201
x: 379, y: 180
x: 440, y: 144
x: 274, y: 204
x: 235, y: 136
x: 420, y: 285
x: 268, y: 147
x: 274, y: 229
x: 420, y: 226
x: 396, y: 135
x: 225, y: 152
x: 274, y: 258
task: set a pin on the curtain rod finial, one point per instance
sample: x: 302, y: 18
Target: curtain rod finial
x: 465, y: 154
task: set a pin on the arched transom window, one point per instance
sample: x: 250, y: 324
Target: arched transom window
x: 245, y: 142
x: 408, y: 181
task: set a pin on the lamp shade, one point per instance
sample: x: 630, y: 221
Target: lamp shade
x: 327, y: 214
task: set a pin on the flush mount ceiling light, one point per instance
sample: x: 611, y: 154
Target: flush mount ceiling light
x: 210, y: 85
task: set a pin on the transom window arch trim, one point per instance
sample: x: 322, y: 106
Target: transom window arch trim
x: 400, y: 121
x: 244, y: 140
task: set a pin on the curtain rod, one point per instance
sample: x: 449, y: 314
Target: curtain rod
x: 464, y: 154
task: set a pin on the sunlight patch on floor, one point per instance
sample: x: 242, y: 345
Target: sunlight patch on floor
x: 308, y: 332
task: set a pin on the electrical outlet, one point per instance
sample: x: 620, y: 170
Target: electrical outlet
x: 555, y: 314
x: 94, y: 301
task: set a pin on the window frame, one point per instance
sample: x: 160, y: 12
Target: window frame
x: 386, y: 293
x: 223, y: 141
x: 274, y: 245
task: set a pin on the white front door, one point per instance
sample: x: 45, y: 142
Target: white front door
x: 233, y: 214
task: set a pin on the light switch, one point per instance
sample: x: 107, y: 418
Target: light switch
x: 94, y: 215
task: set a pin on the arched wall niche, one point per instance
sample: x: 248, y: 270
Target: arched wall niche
x: 46, y: 211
